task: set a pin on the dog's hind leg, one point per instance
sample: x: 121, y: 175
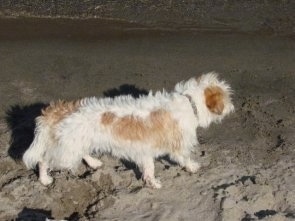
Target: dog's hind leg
x: 44, y: 178
x: 148, y: 173
x: 92, y: 162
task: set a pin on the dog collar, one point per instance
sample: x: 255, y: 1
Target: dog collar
x: 193, y: 104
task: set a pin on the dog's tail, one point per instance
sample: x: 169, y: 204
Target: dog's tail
x: 41, y: 142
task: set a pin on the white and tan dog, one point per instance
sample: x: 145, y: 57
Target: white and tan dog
x: 139, y: 130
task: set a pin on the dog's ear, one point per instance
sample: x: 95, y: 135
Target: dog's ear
x: 214, y: 98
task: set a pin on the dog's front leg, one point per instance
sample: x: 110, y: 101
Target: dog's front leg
x: 44, y: 178
x: 148, y: 173
x: 185, y: 161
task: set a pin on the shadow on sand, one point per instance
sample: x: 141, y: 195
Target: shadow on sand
x: 21, y: 122
x: 125, y: 89
x: 28, y: 214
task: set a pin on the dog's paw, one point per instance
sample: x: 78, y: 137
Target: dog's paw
x: 192, y: 167
x: 92, y: 162
x: 153, y: 183
x: 46, y: 180
x: 96, y: 164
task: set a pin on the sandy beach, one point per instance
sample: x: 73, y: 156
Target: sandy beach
x: 247, y: 162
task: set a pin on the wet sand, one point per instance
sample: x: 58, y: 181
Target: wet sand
x: 248, y: 161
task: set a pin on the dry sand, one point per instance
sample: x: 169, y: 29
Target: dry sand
x: 248, y: 161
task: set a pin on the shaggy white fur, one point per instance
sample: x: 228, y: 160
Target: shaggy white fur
x: 139, y: 130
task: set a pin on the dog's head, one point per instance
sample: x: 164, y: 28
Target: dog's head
x: 211, y: 96
x: 215, y: 100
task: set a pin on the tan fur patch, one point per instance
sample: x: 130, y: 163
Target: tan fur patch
x: 159, y: 128
x: 107, y: 118
x: 130, y: 128
x: 57, y: 111
x: 214, y: 98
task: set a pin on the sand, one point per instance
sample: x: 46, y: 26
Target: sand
x: 248, y: 161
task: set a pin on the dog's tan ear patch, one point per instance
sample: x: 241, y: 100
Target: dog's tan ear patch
x: 214, y: 98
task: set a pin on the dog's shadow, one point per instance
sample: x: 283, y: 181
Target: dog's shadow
x: 28, y: 214
x: 125, y: 89
x: 132, y: 166
x: 21, y: 122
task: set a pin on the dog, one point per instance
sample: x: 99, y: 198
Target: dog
x: 136, y: 129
